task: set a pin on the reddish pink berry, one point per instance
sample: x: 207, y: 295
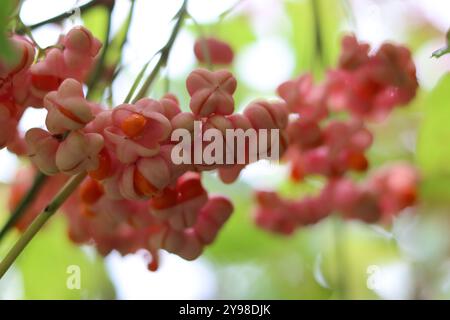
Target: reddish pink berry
x: 305, y: 98
x: 371, y: 86
x: 217, y: 51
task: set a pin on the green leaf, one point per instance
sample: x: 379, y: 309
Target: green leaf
x: 433, y: 156
x: 304, y: 35
x: 236, y: 31
x: 116, y: 44
x: 331, y: 16
x: 301, y: 34
x: 96, y: 20
x: 6, y: 8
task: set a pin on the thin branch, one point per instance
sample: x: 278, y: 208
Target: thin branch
x: 100, y: 65
x: 26, y: 201
x: 136, y: 82
x: 40, y: 220
x: 127, y: 26
x: 68, y: 14
x: 164, y: 52
x: 224, y: 14
x: 112, y: 47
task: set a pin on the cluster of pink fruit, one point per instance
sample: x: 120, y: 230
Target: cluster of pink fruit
x: 364, y: 87
x: 135, y: 196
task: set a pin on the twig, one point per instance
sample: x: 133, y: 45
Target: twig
x: 164, y: 52
x: 40, y: 220
x: 224, y: 14
x: 26, y: 201
x: 67, y: 14
x: 100, y: 65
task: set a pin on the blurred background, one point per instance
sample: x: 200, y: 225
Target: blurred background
x: 273, y: 40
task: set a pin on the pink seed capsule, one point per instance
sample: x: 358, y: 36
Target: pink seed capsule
x: 211, y: 92
x: 214, y: 50
x: 67, y: 108
x: 42, y: 148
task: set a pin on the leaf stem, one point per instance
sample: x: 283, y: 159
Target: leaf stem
x: 40, y: 220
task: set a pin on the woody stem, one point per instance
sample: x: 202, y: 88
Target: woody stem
x: 39, y: 221
x: 23, y: 205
